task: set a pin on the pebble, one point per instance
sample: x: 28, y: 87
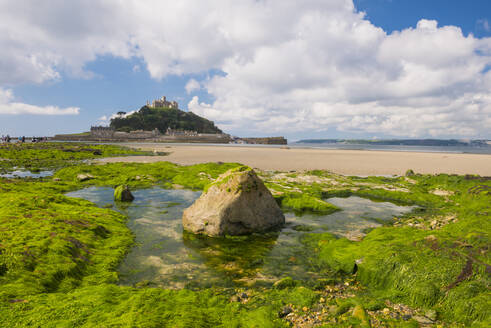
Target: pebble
x: 423, y: 320
x: 286, y: 310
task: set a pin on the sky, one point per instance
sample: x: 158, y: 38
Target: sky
x: 299, y: 69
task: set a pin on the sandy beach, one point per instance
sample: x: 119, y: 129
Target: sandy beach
x: 347, y: 162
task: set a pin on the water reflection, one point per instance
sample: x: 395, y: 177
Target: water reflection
x: 164, y: 255
x: 357, y: 215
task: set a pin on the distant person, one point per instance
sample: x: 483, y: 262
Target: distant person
x: 23, y: 139
x: 7, y: 138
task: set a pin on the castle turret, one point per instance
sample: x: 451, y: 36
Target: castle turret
x: 162, y: 102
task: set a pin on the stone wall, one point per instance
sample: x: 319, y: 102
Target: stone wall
x: 265, y: 141
x: 101, y: 131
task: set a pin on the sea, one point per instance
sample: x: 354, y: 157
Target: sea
x: 402, y: 148
x: 306, y: 145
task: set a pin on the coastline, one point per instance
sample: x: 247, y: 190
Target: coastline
x: 340, y: 161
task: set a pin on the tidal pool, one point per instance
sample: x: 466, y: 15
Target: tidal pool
x: 166, y: 256
x: 26, y: 174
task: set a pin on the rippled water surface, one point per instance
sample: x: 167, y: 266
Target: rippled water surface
x: 164, y: 255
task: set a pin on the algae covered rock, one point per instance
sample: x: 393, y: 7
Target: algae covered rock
x: 237, y: 203
x: 84, y: 177
x: 283, y: 283
x: 360, y: 313
x: 123, y: 194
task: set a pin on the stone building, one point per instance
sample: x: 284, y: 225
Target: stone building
x: 101, y: 131
x: 180, y: 132
x: 162, y: 102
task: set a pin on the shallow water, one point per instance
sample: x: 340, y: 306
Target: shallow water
x: 27, y: 174
x: 164, y: 255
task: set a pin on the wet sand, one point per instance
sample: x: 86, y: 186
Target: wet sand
x: 346, y: 162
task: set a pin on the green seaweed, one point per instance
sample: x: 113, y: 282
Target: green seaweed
x: 302, y: 202
x: 48, y: 155
x: 59, y: 255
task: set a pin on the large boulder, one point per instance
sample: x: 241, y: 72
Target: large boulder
x: 237, y: 203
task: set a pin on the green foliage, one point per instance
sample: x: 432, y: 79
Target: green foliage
x: 162, y: 118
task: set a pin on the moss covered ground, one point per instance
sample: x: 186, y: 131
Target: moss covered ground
x: 59, y: 255
x: 53, y: 155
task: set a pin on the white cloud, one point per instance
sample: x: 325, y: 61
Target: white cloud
x: 484, y: 24
x: 288, y: 66
x: 8, y: 106
x: 103, y: 120
x: 192, y: 86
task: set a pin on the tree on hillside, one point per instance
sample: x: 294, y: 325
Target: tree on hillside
x: 148, y: 118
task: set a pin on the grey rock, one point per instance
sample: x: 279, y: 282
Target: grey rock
x: 237, y: 203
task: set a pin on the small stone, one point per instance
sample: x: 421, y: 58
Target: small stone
x: 333, y: 309
x: 123, y: 194
x: 360, y: 313
x: 285, y: 311
x: 423, y: 320
x: 430, y: 238
x: 410, y: 173
x: 84, y: 177
x: 431, y: 314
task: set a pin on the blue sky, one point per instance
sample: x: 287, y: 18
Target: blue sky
x: 255, y: 79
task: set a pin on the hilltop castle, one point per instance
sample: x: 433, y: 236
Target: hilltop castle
x: 162, y: 102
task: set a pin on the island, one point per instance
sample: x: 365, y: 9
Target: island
x: 162, y: 121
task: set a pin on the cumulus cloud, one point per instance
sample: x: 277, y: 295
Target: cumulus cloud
x: 287, y: 66
x: 192, y: 86
x: 8, y: 106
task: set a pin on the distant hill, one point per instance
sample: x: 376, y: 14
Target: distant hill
x: 149, y: 118
x: 401, y: 142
